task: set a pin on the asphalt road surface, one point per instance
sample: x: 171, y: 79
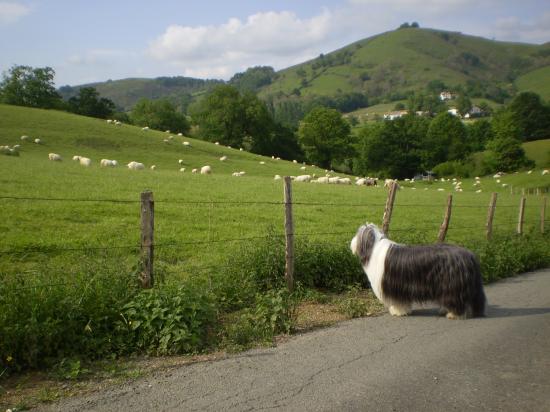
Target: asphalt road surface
x: 418, y: 363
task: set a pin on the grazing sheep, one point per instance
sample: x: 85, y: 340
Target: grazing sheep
x: 333, y: 180
x: 545, y: 172
x: 440, y: 189
x: 195, y: 171
x: 217, y: 143
x: 76, y: 158
x: 361, y: 182
x: 54, y: 157
x: 262, y: 163
x: 240, y: 149
x: 180, y: 161
x: 505, y: 185
x: 277, y: 158
x: 25, y: 138
x: 166, y: 140
x: 294, y: 161
x: 109, y: 121
x: 182, y: 169
x: 180, y: 134
x: 344, y: 181
x: 108, y: 163
x: 303, y: 168
x: 223, y: 158
x: 478, y: 191
x: 84, y: 161
x: 153, y: 167
x: 389, y: 182
x: 277, y: 177
x: 498, y: 180
x: 302, y: 178
x: 529, y: 172
x: 135, y: 166
x: 8, y: 151
x: 238, y: 174
x: 167, y: 131
x: 16, y: 147
x: 37, y: 141
x: 323, y: 179
x: 186, y: 143
x: 372, y: 182
x: 145, y: 128
x: 206, y: 170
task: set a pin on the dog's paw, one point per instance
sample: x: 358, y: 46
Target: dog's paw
x: 399, y: 311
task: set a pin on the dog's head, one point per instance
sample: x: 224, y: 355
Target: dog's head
x: 364, y: 240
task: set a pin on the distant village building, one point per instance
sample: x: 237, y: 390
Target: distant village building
x: 453, y: 111
x: 446, y: 95
x: 395, y: 115
x: 474, y: 112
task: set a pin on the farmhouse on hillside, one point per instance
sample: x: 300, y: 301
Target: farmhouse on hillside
x: 446, y: 95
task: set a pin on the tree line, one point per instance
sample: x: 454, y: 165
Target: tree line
x: 318, y: 133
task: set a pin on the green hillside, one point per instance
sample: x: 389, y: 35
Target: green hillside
x: 384, y: 67
x: 408, y: 59
x: 126, y: 92
x: 537, y: 81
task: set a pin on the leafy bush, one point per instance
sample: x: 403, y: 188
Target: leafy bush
x: 454, y: 168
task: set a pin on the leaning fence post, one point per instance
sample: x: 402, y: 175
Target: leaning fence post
x: 446, y: 219
x: 147, y: 245
x: 490, y: 215
x: 521, y: 214
x: 289, y: 235
x: 386, y: 219
x: 542, y: 214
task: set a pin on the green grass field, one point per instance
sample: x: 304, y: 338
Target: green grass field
x: 195, y: 208
x: 537, y: 81
x: 69, y: 250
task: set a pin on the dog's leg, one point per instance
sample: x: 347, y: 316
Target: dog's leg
x: 400, y: 310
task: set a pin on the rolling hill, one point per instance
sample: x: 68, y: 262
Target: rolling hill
x: 384, y: 67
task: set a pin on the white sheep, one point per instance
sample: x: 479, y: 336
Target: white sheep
x: 84, y: 161
x: 361, y: 182
x: 37, y: 141
x: 217, y: 143
x: 240, y: 149
x: 146, y: 128
x: 182, y: 169
x: 294, y: 161
x: 118, y: 123
x: 25, y: 138
x: 262, y: 163
x: 302, y: 178
x: 167, y: 131
x: 323, y: 179
x: 344, y: 181
x: 180, y: 161
x: 54, y: 157
x: 16, y: 147
x: 109, y: 121
x: 8, y: 151
x: 333, y: 180
x: 529, y: 172
x: 186, y: 143
x: 478, y: 191
x: 135, y: 166
x: 76, y: 158
x: 195, y: 171
x: 153, y: 167
x: 238, y: 174
x: 166, y: 140
x: 440, y: 189
x: 303, y: 168
x: 223, y: 158
x: 277, y: 177
x: 107, y: 163
x: 545, y: 172
x: 206, y: 170
x: 180, y: 134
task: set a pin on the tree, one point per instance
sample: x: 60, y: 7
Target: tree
x: 159, y: 115
x: 325, y: 137
x: 235, y: 119
x: 505, y: 154
x: 391, y: 148
x: 445, y: 140
x: 531, y: 116
x: 505, y: 125
x: 463, y: 104
x: 25, y: 86
x: 479, y: 133
x: 88, y: 103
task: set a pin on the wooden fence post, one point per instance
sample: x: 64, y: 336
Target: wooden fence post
x: 147, y: 244
x: 386, y: 219
x: 289, y: 235
x: 521, y: 214
x: 490, y: 215
x: 446, y: 219
x: 542, y: 214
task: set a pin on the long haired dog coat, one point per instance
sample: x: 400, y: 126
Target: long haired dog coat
x: 401, y: 275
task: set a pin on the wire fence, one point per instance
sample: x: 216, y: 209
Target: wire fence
x: 424, y: 227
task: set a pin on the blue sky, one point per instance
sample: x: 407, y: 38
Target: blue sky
x: 86, y: 41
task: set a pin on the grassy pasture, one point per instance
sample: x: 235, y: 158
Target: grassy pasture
x: 192, y: 208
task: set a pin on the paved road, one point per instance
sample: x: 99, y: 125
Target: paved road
x: 419, y: 363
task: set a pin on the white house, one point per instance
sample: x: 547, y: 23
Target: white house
x: 395, y: 115
x: 445, y: 95
x: 453, y: 111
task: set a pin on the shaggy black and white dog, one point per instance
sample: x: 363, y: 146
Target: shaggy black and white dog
x: 401, y: 275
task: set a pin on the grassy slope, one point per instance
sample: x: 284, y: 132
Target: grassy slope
x: 410, y: 58
x: 539, y: 151
x: 537, y: 81
x: 41, y: 224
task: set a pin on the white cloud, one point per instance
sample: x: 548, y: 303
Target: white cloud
x: 514, y: 29
x: 11, y: 12
x: 271, y: 38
